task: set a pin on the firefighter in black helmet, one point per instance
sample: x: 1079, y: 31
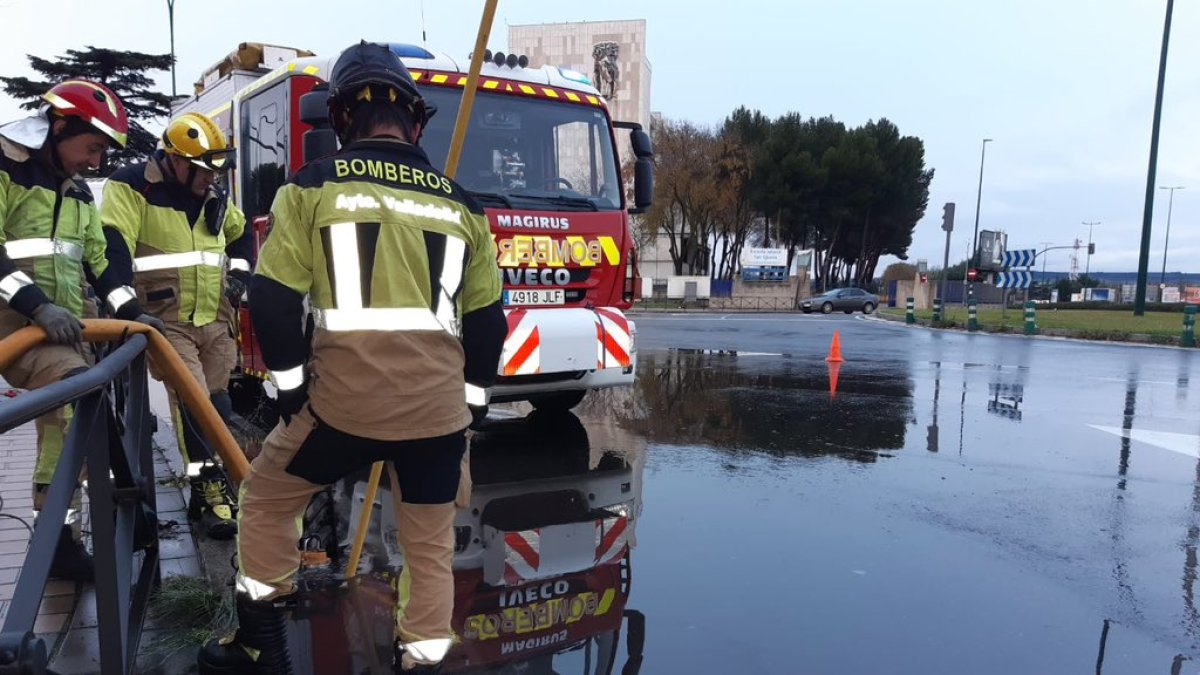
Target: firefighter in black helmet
x: 399, y: 268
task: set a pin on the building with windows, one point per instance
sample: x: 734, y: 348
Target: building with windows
x: 611, y: 53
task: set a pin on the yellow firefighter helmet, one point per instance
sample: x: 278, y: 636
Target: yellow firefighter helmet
x: 197, y: 138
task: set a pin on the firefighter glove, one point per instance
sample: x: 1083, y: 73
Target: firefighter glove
x: 152, y: 321
x: 60, y: 325
x: 235, y: 286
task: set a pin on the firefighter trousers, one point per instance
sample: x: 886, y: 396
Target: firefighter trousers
x: 43, y: 365
x: 300, y: 458
x: 210, y: 354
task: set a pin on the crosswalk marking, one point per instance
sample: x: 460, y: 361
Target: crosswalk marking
x: 1187, y: 445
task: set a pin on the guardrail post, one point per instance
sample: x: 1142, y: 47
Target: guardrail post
x: 972, y: 315
x: 910, y: 316
x: 937, y: 310
x: 1030, y: 318
x: 22, y: 653
x: 1188, y: 338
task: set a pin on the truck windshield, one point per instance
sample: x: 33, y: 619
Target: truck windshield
x: 528, y: 153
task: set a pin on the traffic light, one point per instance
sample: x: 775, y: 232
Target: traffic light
x: 948, y: 217
x: 924, y: 278
x: 1091, y: 249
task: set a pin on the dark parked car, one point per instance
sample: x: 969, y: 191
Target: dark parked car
x: 846, y: 299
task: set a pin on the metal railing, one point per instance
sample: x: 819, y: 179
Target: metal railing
x: 109, y: 433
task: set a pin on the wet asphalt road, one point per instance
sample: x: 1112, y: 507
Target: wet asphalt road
x: 962, y: 504
x: 955, y: 504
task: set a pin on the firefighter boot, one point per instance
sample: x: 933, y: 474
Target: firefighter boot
x: 72, y: 562
x: 409, y: 662
x: 211, y: 503
x: 224, y: 405
x: 259, y: 647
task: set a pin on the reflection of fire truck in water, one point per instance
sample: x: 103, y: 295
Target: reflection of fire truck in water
x: 539, y: 155
x: 542, y: 562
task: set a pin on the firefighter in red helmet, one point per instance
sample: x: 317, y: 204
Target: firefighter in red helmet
x: 50, y: 240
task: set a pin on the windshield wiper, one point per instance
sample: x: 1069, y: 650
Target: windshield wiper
x: 559, y: 199
x: 493, y: 197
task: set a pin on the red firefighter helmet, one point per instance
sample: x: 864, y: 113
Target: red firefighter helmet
x: 93, y: 103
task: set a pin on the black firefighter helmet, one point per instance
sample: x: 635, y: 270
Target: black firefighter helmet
x: 369, y: 72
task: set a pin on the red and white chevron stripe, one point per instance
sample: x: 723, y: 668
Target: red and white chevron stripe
x: 522, y: 354
x: 616, y: 344
x: 522, y: 557
x: 612, y: 539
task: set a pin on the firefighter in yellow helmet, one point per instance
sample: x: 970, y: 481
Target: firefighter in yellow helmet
x: 178, y: 239
x: 399, y: 269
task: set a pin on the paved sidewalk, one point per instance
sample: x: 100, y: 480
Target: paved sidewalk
x: 68, y: 619
x: 18, y: 452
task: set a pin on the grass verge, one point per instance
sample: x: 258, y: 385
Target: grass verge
x: 1162, y: 327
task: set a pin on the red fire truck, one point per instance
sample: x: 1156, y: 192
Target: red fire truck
x: 540, y: 155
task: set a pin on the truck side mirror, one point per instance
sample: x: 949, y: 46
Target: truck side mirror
x: 641, y: 144
x: 314, y: 107
x: 319, y: 141
x: 643, y: 166
x: 643, y: 185
x: 643, y: 170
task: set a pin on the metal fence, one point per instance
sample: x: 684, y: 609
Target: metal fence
x: 110, y: 434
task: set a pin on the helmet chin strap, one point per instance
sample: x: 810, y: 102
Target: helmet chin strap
x: 51, y: 147
x: 191, y: 174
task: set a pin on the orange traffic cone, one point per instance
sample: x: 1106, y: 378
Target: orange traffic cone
x: 834, y: 368
x: 835, y: 349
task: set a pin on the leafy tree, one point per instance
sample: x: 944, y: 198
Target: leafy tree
x: 902, y: 197
x: 682, y: 184
x: 1068, y: 286
x: 852, y: 195
x: 127, y: 73
x: 736, y: 144
x: 900, y: 272
x: 1040, y: 291
x: 1065, y: 288
x: 856, y: 175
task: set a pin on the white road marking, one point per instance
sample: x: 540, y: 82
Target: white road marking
x: 1187, y: 445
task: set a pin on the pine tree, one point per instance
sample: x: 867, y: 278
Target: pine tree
x: 124, y: 72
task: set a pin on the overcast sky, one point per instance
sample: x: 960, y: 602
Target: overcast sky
x: 1065, y: 87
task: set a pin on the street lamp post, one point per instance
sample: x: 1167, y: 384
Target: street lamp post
x: 978, y: 198
x: 1088, y: 266
x: 1139, y: 298
x: 1162, y: 280
x: 171, y: 21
